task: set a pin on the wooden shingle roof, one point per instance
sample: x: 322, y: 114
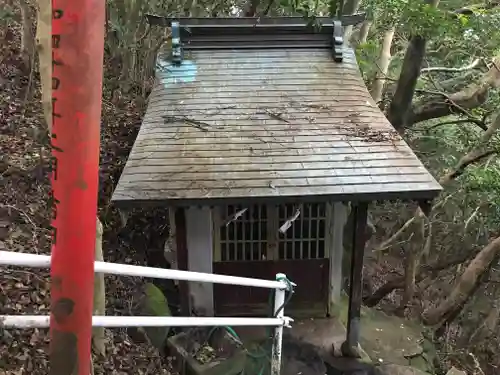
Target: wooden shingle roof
x: 271, y: 123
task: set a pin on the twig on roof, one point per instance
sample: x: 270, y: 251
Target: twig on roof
x: 275, y: 115
x: 319, y: 106
x: 219, y: 109
x: 290, y: 221
x: 203, y: 126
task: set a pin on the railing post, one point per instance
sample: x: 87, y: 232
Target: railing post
x: 279, y: 312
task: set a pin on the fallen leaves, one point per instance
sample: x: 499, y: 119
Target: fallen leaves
x: 25, y: 219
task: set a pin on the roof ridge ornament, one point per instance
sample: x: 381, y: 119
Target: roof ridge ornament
x: 338, y: 41
x: 176, y: 43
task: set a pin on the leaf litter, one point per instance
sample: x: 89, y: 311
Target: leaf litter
x: 25, y: 220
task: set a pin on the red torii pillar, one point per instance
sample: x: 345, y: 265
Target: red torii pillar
x: 77, y: 67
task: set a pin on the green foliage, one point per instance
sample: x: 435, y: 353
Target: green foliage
x: 366, y: 53
x: 484, y: 181
x: 416, y: 17
x: 7, y: 14
x: 441, y: 149
x: 156, y: 304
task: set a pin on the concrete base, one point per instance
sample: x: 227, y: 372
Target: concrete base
x: 386, y: 339
x: 325, y: 335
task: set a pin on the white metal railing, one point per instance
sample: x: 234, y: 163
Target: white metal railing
x: 281, y: 285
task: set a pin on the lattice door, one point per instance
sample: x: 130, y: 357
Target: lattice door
x: 306, y: 237
x: 251, y: 245
x: 242, y: 238
x: 253, y: 235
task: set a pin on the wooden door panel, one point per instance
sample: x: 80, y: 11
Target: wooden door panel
x: 311, y: 292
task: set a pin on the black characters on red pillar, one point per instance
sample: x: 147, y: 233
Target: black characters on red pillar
x: 64, y: 344
x: 56, y: 116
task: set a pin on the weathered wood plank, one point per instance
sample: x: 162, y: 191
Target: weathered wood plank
x: 193, y: 175
x: 265, y: 181
x: 202, y: 95
x: 267, y: 124
x: 179, y: 138
x: 255, y: 162
x: 152, y: 167
x: 253, y: 148
x: 263, y: 117
x: 152, y: 158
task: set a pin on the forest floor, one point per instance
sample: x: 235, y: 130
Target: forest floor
x: 25, y: 220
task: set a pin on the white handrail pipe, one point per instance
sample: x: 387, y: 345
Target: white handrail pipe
x: 43, y: 321
x: 9, y: 258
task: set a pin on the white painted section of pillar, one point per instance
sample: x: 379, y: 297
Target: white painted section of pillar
x: 199, y: 230
x: 336, y: 229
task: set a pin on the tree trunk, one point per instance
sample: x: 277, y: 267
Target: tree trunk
x: 44, y: 48
x: 350, y: 7
x: 401, y: 103
x: 364, y: 31
x: 424, y: 271
x: 26, y: 36
x: 465, y: 285
x: 412, y: 261
x: 383, y: 66
x: 403, y: 96
x: 98, y: 337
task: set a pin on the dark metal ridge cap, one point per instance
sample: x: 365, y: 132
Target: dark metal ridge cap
x: 274, y: 23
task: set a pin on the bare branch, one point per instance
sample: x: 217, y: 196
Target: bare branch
x: 475, y: 155
x: 477, y: 122
x: 472, y: 217
x: 465, y: 285
x: 492, y: 129
x: 26, y: 217
x: 398, y: 282
x: 440, y: 69
x: 146, y: 33
x: 472, y: 96
x: 471, y: 158
x: 387, y: 243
